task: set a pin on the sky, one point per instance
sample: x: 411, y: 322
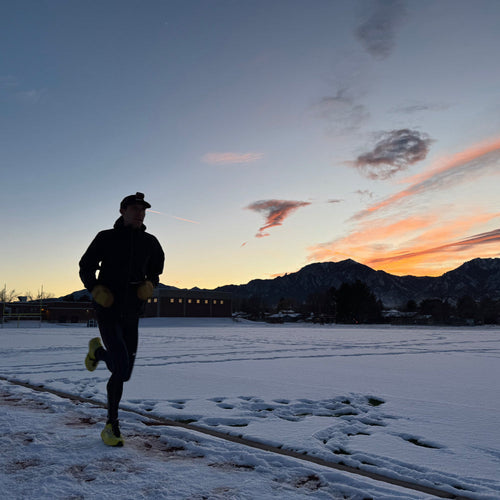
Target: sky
x: 265, y: 135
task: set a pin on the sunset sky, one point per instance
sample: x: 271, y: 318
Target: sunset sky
x: 266, y: 135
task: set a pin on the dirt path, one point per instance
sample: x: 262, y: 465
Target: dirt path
x: 153, y: 420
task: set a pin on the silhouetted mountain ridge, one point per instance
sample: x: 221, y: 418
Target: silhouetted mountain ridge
x: 478, y: 278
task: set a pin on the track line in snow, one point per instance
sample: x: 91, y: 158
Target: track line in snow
x: 157, y: 420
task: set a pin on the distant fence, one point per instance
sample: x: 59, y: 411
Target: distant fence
x: 21, y: 316
x: 21, y: 320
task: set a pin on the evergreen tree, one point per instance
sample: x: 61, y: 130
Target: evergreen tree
x: 467, y: 308
x: 322, y: 304
x: 440, y: 310
x: 357, y: 304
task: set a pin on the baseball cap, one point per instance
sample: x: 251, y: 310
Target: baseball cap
x: 134, y: 199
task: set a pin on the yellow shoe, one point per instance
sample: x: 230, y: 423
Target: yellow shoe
x: 111, y: 434
x: 90, y: 361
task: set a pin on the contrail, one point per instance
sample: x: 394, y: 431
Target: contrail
x: 174, y: 217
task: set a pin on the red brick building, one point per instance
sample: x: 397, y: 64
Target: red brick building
x: 68, y: 312
x: 189, y: 303
x: 165, y: 303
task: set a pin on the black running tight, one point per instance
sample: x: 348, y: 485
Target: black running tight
x: 120, y: 342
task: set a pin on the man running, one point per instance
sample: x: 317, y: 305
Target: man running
x: 129, y: 261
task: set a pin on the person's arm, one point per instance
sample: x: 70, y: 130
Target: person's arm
x: 156, y: 263
x: 155, y: 268
x: 89, y: 264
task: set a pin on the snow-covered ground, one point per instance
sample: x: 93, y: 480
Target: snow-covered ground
x: 418, y: 404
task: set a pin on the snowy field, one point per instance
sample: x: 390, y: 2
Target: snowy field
x: 418, y: 404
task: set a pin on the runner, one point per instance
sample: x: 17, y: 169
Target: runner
x: 129, y: 261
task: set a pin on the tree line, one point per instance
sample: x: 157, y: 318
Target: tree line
x: 355, y: 303
x: 12, y: 295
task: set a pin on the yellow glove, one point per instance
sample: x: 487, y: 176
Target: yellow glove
x: 145, y: 290
x: 103, y: 296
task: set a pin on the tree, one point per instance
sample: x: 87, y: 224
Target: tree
x: 285, y: 304
x: 411, y: 306
x: 254, y: 306
x: 322, y: 304
x: 7, y: 296
x: 489, y: 311
x: 467, y: 308
x: 40, y: 295
x: 439, y: 310
x: 357, y: 304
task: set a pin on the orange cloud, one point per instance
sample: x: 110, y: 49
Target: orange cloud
x: 372, y: 237
x: 458, y: 159
x: 464, y: 166
x: 405, y: 246
x: 275, y: 211
x: 415, y: 259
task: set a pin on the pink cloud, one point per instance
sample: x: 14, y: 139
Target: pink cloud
x: 461, y: 167
x: 229, y: 158
x: 275, y: 212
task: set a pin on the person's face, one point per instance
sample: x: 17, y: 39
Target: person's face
x: 134, y: 215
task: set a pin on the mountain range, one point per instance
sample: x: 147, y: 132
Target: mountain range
x: 478, y: 278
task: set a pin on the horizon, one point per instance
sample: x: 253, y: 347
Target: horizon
x: 52, y: 295
x: 266, y: 135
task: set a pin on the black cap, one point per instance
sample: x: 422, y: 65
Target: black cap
x: 134, y: 199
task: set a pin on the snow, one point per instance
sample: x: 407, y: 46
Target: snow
x: 419, y: 404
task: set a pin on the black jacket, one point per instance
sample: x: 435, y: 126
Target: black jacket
x: 125, y: 257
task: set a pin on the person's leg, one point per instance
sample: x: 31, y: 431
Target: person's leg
x: 120, y: 341
x: 116, y: 357
x: 130, y: 337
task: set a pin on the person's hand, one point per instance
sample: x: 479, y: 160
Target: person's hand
x: 145, y: 290
x: 103, y: 296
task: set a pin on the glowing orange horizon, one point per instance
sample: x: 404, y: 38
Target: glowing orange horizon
x: 438, y: 254
x: 423, y: 243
